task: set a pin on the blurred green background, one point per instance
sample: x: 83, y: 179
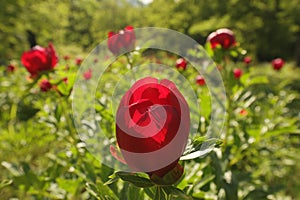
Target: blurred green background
x: 40, y: 155
x: 266, y: 28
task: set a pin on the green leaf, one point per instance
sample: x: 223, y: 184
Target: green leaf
x: 135, y: 179
x: 134, y: 192
x: 4, y: 183
x: 177, y: 193
x: 12, y: 168
x: 199, y: 148
x: 247, y: 81
x: 205, y: 180
x: 199, y: 195
x: 26, y: 112
x: 150, y: 191
x: 57, y: 112
x: 69, y: 185
x: 234, y: 53
x: 113, y: 178
x: 159, y: 194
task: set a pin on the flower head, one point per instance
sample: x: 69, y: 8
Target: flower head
x: 11, y: 68
x: 200, y: 80
x: 122, y: 41
x: 39, y: 59
x: 78, y: 61
x: 277, y: 63
x: 181, y: 63
x: 223, y: 37
x: 152, y: 127
x: 45, y: 85
x: 237, y: 73
x: 88, y: 74
x: 247, y: 60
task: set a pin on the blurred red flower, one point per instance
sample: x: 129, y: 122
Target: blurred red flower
x: 39, y: 59
x: 223, y: 37
x: 200, y: 80
x: 122, y: 41
x: 243, y: 112
x: 65, y: 80
x: 88, y: 74
x: 10, y: 68
x: 78, y: 61
x: 45, y: 85
x: 66, y: 57
x: 153, y: 116
x: 181, y: 63
x: 237, y: 73
x: 247, y: 60
x: 277, y: 63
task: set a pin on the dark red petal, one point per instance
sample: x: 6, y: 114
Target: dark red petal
x: 160, y: 139
x: 52, y: 55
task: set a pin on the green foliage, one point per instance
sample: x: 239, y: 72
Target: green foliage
x: 256, y: 156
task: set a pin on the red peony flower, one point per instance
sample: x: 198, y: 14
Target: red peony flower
x: 181, y: 63
x: 247, y: 60
x: 78, y: 61
x: 122, y: 41
x: 152, y: 127
x: 200, y: 80
x: 10, y: 68
x: 277, y: 63
x: 87, y: 75
x: 45, y: 85
x: 223, y: 37
x: 237, y: 73
x: 39, y: 59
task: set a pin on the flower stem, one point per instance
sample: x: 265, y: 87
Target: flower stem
x: 129, y: 61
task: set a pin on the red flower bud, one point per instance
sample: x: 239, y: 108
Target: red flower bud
x: 45, y: 85
x: 223, y: 37
x: 181, y: 63
x: 247, y: 60
x: 87, y: 75
x: 277, y: 63
x: 39, y: 59
x: 66, y: 57
x: 78, y: 61
x: 152, y: 127
x: 200, y: 80
x: 243, y: 112
x: 65, y: 80
x: 237, y: 73
x: 10, y: 68
x: 122, y: 41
